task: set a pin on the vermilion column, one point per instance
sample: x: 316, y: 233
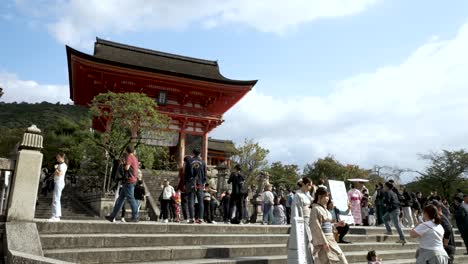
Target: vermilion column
x: 205, y: 147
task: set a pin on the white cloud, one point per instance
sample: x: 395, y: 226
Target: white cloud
x: 383, y: 117
x: 77, y: 22
x: 16, y: 90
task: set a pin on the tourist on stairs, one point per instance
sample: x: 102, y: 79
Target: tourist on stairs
x: 166, y: 199
x: 335, y: 212
x: 128, y: 187
x: 461, y: 217
x: 59, y: 184
x: 268, y: 201
x: 195, y: 179
x: 326, y: 250
x: 300, y: 207
x: 355, y: 196
x: 449, y: 237
x: 392, y: 205
x: 236, y: 179
x: 430, y: 234
x: 225, y: 205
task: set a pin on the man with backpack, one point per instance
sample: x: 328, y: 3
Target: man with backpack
x: 128, y: 186
x: 195, y: 179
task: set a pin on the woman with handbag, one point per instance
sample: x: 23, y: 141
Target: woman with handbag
x: 431, y: 235
x: 300, y: 208
x: 326, y: 250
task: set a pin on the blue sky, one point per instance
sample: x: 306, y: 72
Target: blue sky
x: 311, y: 57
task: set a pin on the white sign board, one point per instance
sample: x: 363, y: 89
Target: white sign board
x: 340, y: 198
x: 297, y: 246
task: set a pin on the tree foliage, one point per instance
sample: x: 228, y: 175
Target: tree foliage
x: 329, y: 168
x: 123, y: 118
x: 283, y: 175
x: 252, y: 159
x: 446, y: 171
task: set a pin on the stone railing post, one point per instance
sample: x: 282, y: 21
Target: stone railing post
x: 23, y: 193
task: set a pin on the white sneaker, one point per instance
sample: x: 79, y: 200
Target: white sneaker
x: 54, y: 219
x: 165, y: 221
x: 123, y: 220
x: 213, y: 222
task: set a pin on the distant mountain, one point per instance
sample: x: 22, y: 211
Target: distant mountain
x: 23, y: 115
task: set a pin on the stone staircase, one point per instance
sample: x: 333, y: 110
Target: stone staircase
x: 71, y: 207
x: 154, y: 179
x: 150, y: 242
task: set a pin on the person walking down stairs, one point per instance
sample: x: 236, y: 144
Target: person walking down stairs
x: 128, y: 188
x: 59, y: 184
x: 326, y: 250
x: 392, y: 206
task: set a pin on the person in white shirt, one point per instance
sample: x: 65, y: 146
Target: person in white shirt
x: 268, y: 200
x: 59, y: 184
x: 166, y: 196
x: 431, y: 235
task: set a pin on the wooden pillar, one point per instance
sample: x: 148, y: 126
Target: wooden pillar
x: 180, y: 161
x: 205, y: 147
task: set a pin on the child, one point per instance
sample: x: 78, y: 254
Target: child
x: 372, y: 258
x: 371, y: 215
x: 279, y: 217
x: 177, y: 203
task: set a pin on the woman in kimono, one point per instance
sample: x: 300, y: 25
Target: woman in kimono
x: 326, y: 250
x: 300, y: 207
x: 355, y: 197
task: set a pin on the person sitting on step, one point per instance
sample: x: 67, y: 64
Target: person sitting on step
x: 335, y: 212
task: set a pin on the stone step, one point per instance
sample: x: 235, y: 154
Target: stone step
x: 273, y: 259
x: 149, y: 227
x: 377, y: 230
x: 385, y: 238
x: 50, y: 241
x: 141, y: 254
x: 393, y: 256
x: 459, y: 259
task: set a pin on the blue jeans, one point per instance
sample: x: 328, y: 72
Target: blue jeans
x: 198, y: 193
x: 393, y: 216
x: 127, y: 193
x: 267, y: 214
x: 56, y: 205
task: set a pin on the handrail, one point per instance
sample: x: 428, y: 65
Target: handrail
x: 154, y: 211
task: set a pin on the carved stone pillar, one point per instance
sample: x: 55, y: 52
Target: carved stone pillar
x: 23, y: 194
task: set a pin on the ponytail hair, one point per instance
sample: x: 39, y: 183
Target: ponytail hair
x: 433, y: 214
x: 304, y: 181
x: 62, y: 155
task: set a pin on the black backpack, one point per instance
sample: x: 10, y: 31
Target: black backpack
x: 196, y: 168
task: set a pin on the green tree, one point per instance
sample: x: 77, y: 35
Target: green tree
x: 252, y: 159
x: 123, y: 118
x: 329, y: 168
x: 285, y: 175
x: 446, y: 171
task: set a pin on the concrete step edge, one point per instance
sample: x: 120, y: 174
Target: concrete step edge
x: 136, y: 249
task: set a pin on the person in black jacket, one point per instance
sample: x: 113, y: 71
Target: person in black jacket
x: 461, y: 217
x: 407, y: 204
x: 392, y: 206
x: 236, y: 179
x: 448, y: 240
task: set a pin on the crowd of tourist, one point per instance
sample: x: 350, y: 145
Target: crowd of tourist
x: 430, y: 217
